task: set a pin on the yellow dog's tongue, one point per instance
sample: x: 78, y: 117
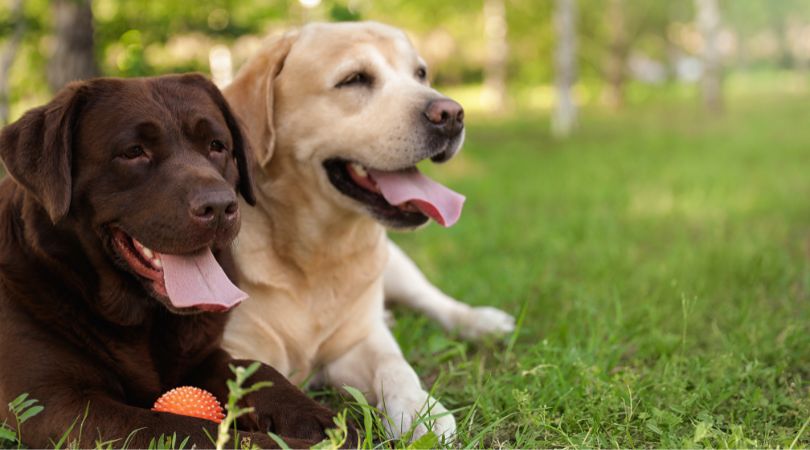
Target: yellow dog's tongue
x: 431, y: 198
x: 197, y: 280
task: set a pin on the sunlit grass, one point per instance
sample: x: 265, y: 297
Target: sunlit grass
x: 661, y: 257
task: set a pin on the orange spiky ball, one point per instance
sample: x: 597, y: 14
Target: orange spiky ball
x: 190, y: 401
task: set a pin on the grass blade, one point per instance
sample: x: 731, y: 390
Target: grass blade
x: 65, y: 435
x: 368, y: 420
x: 799, y: 434
x: 281, y: 444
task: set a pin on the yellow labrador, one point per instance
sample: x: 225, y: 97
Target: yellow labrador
x: 339, y: 114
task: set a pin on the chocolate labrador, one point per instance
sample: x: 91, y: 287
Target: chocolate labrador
x: 117, y: 220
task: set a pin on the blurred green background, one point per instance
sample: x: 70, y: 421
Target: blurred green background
x: 624, y: 49
x: 637, y: 173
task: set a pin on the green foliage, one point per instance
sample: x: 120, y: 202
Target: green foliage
x: 342, y: 13
x: 335, y: 437
x: 8, y: 437
x: 23, y: 409
x: 147, y: 37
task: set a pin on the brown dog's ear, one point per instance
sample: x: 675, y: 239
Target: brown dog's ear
x: 241, y: 147
x: 251, y: 94
x: 37, y: 150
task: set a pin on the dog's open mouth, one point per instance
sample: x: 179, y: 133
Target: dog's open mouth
x: 403, y: 197
x: 193, y: 281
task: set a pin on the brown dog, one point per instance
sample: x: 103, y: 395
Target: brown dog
x: 120, y: 207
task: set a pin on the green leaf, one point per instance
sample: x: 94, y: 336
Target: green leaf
x: 33, y: 411
x: 7, y: 434
x: 428, y: 440
x: 251, y: 369
x: 13, y: 405
x: 653, y: 427
x: 257, y: 386
x: 24, y: 405
x: 702, y: 431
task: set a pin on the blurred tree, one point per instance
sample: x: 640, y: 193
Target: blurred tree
x: 614, y: 40
x: 784, y: 20
x: 617, y: 56
x: 495, y: 30
x: 614, y: 35
x: 74, y: 55
x: 565, y: 110
x: 708, y: 22
x: 8, y: 55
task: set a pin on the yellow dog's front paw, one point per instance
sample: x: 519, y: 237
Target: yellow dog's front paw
x: 418, y: 414
x: 485, y: 321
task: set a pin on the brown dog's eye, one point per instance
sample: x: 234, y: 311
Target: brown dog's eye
x: 216, y: 146
x: 421, y: 73
x: 356, y: 79
x: 134, y: 152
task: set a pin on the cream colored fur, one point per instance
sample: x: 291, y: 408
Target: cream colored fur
x: 316, y: 265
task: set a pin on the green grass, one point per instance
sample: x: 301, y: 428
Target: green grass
x: 660, y: 259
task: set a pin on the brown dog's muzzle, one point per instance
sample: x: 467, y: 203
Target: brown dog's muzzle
x: 214, y: 209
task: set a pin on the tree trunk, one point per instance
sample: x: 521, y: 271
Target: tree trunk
x: 565, y: 112
x: 617, y: 56
x: 495, y: 29
x: 7, y: 58
x: 708, y: 22
x: 73, y: 57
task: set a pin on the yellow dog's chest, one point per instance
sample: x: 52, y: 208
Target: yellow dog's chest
x: 297, y: 330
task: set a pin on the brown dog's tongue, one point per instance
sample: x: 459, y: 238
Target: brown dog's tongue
x: 433, y: 199
x: 197, y: 280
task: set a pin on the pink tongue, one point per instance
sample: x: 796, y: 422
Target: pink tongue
x: 197, y: 280
x: 434, y: 200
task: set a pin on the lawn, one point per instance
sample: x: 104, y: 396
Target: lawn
x: 659, y: 263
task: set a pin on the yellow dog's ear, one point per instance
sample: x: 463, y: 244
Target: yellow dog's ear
x: 251, y: 94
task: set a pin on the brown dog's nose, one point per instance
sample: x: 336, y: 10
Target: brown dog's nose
x: 446, y: 115
x: 212, y: 208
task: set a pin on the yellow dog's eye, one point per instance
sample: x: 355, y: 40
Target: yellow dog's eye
x: 421, y: 73
x: 356, y: 79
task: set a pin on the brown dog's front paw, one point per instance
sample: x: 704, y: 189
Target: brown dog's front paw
x: 304, y: 422
x: 310, y: 423
x: 287, y: 411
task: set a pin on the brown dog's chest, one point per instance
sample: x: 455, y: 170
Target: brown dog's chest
x: 163, y: 357
x: 139, y: 363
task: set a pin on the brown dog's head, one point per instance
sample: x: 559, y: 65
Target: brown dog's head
x: 144, y: 172
x: 347, y: 109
